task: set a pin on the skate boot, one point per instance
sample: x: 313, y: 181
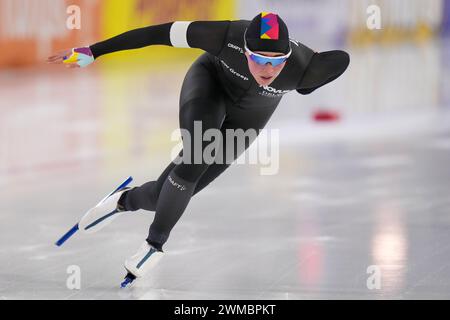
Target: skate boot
x: 103, y: 213
x: 141, y: 263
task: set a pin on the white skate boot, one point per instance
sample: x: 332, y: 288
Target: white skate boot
x: 141, y: 263
x: 103, y: 213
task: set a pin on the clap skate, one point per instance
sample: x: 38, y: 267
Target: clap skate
x: 141, y: 263
x: 101, y: 215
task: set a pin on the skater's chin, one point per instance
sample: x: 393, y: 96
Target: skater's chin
x: 265, y: 80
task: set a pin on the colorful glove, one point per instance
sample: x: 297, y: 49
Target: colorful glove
x: 81, y: 56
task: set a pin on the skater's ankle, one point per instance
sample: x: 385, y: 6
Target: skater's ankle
x: 121, y: 204
x: 130, y: 276
x: 155, y: 245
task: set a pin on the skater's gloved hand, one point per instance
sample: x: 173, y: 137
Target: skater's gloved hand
x: 73, y: 58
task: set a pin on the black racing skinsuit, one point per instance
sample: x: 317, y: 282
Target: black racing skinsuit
x: 220, y: 92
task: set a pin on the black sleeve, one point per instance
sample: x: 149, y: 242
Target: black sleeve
x: 206, y: 35
x: 134, y: 39
x: 323, y: 68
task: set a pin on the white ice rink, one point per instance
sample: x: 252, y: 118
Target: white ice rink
x: 370, y: 190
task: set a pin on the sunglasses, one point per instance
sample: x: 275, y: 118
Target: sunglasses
x: 263, y: 60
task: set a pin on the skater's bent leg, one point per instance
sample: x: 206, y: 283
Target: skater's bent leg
x: 146, y: 196
x: 173, y: 199
x: 179, y: 186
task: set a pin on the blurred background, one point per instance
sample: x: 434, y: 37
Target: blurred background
x: 367, y: 185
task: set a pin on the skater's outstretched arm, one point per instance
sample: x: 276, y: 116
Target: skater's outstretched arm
x: 323, y: 68
x: 206, y: 35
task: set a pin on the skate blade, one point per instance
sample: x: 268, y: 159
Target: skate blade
x: 126, y: 283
